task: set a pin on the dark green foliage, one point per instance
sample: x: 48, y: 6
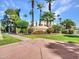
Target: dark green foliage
x: 64, y: 31
x: 72, y: 35
x: 70, y: 32
x: 49, y: 0
x: 10, y: 12
x: 10, y: 17
x: 56, y: 28
x: 22, y: 25
x: 49, y: 30
x: 30, y: 30
x: 25, y: 15
x: 68, y: 23
x: 48, y: 16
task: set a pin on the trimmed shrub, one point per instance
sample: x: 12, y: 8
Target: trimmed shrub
x: 30, y: 30
x: 64, y: 31
x: 49, y: 30
x: 70, y: 32
x: 56, y: 28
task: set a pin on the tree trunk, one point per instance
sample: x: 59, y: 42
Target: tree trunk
x: 40, y: 16
x: 50, y: 23
x: 32, y: 13
x: 47, y: 22
x: 14, y: 28
x: 50, y: 6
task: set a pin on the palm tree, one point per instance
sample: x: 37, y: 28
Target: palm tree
x: 13, y: 15
x: 49, y: 1
x: 40, y: 6
x: 17, y: 11
x: 68, y: 23
x: 48, y: 16
x: 25, y: 15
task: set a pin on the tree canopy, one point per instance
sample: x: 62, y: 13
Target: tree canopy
x: 48, y: 15
x: 68, y: 23
x: 22, y: 24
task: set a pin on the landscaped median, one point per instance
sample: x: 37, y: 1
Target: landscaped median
x: 8, y: 39
x: 67, y: 38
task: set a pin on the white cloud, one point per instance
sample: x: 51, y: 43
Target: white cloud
x: 65, y: 2
x: 65, y: 6
x: 62, y: 9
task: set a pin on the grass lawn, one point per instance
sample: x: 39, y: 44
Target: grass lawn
x: 66, y: 38
x: 8, y: 39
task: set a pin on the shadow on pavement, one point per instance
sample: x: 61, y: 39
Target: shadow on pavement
x: 64, y: 50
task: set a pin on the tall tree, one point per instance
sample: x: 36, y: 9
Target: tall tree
x: 48, y: 16
x: 49, y: 2
x: 13, y: 14
x: 40, y: 6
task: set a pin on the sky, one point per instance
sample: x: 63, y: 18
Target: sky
x: 66, y: 8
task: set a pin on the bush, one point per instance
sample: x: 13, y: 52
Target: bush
x: 64, y: 31
x: 70, y: 32
x: 23, y: 25
x: 70, y: 42
x: 30, y: 30
x: 49, y: 30
x: 56, y: 28
x: 38, y: 32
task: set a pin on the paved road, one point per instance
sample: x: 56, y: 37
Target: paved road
x: 40, y: 49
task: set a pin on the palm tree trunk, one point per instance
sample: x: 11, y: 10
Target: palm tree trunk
x: 40, y: 16
x: 50, y: 22
x: 47, y: 22
x: 32, y: 13
x: 32, y: 17
x: 50, y: 6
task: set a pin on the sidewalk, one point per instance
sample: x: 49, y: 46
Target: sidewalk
x: 19, y: 37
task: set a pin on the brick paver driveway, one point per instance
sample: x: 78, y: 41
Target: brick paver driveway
x: 40, y: 49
